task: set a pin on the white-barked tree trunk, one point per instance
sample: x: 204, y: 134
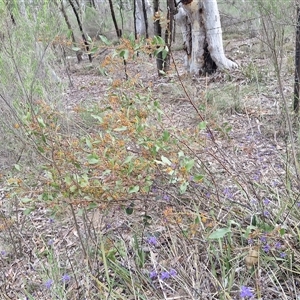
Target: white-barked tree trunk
x: 139, y: 15
x: 202, y: 34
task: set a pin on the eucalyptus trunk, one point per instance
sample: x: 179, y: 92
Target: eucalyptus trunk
x: 158, y: 32
x: 202, y: 34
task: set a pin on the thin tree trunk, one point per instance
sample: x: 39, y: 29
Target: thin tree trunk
x: 157, y: 31
x: 63, y: 11
x: 121, y: 15
x: 134, y: 18
x: 145, y: 18
x: 81, y: 30
x: 92, y: 3
x: 169, y: 31
x: 118, y: 31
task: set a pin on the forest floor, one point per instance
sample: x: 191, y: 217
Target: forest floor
x: 247, y: 144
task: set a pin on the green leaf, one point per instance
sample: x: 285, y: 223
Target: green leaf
x: 234, y: 223
x: 128, y: 159
x: 73, y: 188
x: 102, y: 71
x: 165, y: 53
x: 68, y: 180
x: 84, y: 181
x: 183, y: 187
x: 249, y: 229
x: 198, y: 177
x: 89, y: 39
x: 28, y: 211
x: 41, y: 122
x: 202, y: 125
x: 154, y: 40
x: 129, y: 209
x: 189, y: 165
x: 165, y: 160
x: 93, y: 159
x: 17, y: 167
x: 104, y: 40
x: 26, y: 200
x: 157, y: 51
x: 46, y: 197
x: 166, y: 136
x: 219, y: 233
x: 94, y: 50
x: 197, y: 220
x: 76, y: 49
x: 44, y: 138
x: 134, y: 189
x: 92, y: 206
x: 131, y: 37
x: 88, y: 143
x: 111, y: 255
x: 98, y: 118
x: 254, y: 220
x: 157, y: 40
x: 124, y: 54
x: 266, y: 227
x: 228, y: 129
x: 41, y: 149
x: 180, y: 153
x: 69, y: 34
x: 282, y: 231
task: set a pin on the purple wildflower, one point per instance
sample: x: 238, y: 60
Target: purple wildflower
x: 152, y: 240
x: 266, y: 201
x: 209, y: 135
x: 3, y: 253
x: 282, y: 254
x: 48, y: 284
x: 164, y: 275
x: 65, y: 278
x: 50, y: 242
x: 256, y: 177
x: 253, y: 201
x: 266, y: 213
x: 173, y: 166
x: 153, y: 275
x: 173, y: 273
x: 250, y: 242
x: 277, y: 245
x: 263, y: 239
x: 166, y: 197
x: 266, y: 248
x: 227, y: 193
x: 245, y: 292
x: 154, y: 190
x: 51, y: 220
